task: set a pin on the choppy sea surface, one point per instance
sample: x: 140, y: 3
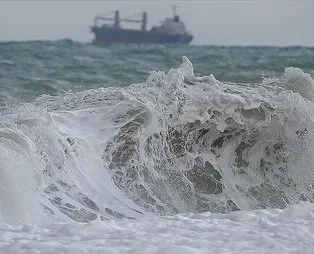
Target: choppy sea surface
x: 156, y: 149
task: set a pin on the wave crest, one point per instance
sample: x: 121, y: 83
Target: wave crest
x: 176, y: 143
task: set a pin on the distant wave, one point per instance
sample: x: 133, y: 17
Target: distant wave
x: 29, y: 69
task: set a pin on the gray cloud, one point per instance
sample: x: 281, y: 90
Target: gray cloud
x: 212, y: 22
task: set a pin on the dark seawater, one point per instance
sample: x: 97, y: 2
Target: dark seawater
x: 91, y: 132
x: 29, y: 69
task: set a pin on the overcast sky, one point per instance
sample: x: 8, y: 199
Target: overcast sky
x: 279, y: 23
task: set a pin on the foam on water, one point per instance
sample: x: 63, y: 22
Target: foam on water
x: 260, y: 231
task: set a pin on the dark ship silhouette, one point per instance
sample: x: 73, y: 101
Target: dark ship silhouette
x: 171, y: 30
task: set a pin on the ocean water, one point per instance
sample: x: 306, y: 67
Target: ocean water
x: 155, y: 149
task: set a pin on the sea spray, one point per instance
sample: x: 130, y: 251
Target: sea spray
x: 20, y: 182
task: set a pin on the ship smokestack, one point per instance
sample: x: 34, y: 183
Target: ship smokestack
x: 117, y: 19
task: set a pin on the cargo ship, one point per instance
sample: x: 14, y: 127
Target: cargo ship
x: 171, y: 30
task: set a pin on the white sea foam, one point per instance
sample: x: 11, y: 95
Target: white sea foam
x: 261, y: 231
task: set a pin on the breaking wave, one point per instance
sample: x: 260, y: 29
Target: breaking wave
x: 176, y: 143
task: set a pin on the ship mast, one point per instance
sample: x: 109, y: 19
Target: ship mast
x: 174, y: 10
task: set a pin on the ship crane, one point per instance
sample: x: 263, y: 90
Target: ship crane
x: 117, y: 19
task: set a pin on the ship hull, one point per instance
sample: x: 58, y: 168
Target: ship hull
x: 108, y: 35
